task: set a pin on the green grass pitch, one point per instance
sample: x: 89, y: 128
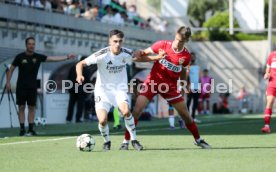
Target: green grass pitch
x: 238, y: 145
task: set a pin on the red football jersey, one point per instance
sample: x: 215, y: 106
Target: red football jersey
x: 271, y: 62
x: 167, y: 70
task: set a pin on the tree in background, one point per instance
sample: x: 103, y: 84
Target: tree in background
x: 197, y: 9
x: 216, y: 25
x: 155, y: 4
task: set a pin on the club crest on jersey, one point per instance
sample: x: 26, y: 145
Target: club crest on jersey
x: 181, y: 61
x: 124, y: 60
x: 24, y: 61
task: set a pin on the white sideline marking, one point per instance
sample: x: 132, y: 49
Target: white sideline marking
x: 119, y: 132
x: 35, y: 141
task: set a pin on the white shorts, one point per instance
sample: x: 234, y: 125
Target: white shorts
x: 105, y: 100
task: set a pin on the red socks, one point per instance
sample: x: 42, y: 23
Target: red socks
x: 193, y: 129
x: 267, y: 116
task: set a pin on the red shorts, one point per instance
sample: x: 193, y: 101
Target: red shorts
x: 271, y: 91
x: 168, y: 92
x: 204, y: 96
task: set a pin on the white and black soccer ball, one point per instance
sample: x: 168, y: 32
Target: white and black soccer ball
x: 37, y: 121
x: 43, y: 121
x: 40, y: 121
x: 85, y: 142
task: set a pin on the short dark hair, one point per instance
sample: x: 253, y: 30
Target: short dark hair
x: 116, y: 32
x: 205, y: 70
x: 184, y: 31
x: 29, y: 38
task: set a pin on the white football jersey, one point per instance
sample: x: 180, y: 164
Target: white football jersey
x: 111, y: 73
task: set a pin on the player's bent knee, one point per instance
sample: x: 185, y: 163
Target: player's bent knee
x: 21, y: 107
x: 126, y: 113
x: 102, y: 122
x: 31, y: 108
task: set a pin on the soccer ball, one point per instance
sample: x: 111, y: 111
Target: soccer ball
x: 85, y: 142
x: 37, y: 121
x: 43, y: 121
x: 40, y: 121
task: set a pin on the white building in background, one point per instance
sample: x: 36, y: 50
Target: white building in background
x: 175, y: 8
x: 250, y: 14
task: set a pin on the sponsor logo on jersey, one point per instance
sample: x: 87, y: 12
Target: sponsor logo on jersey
x: 181, y: 61
x: 114, y: 69
x: 34, y: 60
x: 170, y: 66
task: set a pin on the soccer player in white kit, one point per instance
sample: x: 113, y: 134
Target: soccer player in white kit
x: 112, y: 83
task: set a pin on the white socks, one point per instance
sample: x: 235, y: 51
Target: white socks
x: 104, y: 132
x: 171, y: 121
x: 130, y: 125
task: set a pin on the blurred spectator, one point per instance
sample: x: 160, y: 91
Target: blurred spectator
x: 131, y: 13
x: 72, y: 8
x: 124, y: 6
x: 104, y: 3
x: 109, y: 16
x: 83, y: 5
x: 194, y: 87
x: 120, y: 18
x: 205, y: 95
x: 77, y: 94
x: 29, y: 3
x: 243, y: 98
x: 162, y: 27
x: 90, y: 112
x: 91, y: 13
x: 57, y: 6
x: 242, y: 93
x: 125, y: 18
x: 113, y: 13
x: 146, y: 24
x: 43, y: 4
x: 95, y: 12
x: 221, y: 106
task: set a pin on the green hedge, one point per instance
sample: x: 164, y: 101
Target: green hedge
x: 215, y: 32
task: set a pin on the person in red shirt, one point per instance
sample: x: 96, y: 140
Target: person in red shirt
x: 163, y: 80
x: 270, y: 74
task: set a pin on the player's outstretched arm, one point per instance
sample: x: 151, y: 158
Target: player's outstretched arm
x: 79, y: 68
x: 144, y: 55
x: 60, y: 58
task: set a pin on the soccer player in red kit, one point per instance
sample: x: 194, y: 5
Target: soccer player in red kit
x: 163, y: 80
x: 270, y: 74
